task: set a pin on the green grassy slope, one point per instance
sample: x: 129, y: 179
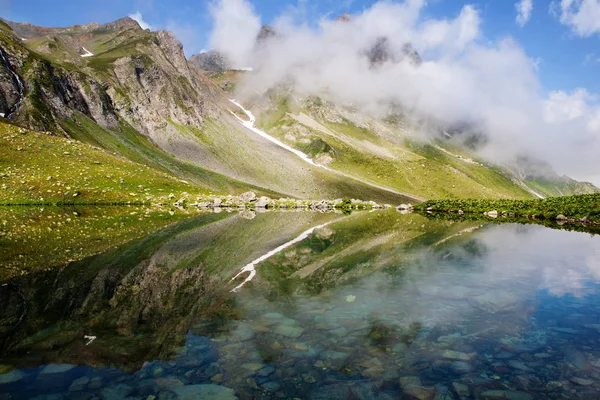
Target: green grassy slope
x: 40, y: 168
x: 130, y: 144
x: 424, y: 169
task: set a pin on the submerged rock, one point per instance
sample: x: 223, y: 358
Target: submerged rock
x: 12, y: 377
x: 79, y: 384
x: 56, y: 369
x: 461, y: 389
x: 456, y: 355
x: 117, y: 392
x: 210, y: 391
x: 505, y: 394
x: 289, y: 331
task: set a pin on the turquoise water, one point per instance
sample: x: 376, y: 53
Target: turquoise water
x: 368, y: 306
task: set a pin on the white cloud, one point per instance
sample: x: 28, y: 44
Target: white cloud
x: 582, y: 16
x: 140, y: 20
x: 524, y: 9
x: 235, y: 30
x: 492, y: 85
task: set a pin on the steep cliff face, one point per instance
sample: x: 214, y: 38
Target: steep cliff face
x: 39, y: 94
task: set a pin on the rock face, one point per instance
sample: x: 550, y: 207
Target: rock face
x: 44, y: 94
x: 266, y: 32
x: 211, y: 61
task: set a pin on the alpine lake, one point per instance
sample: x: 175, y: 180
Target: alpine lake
x: 293, y: 305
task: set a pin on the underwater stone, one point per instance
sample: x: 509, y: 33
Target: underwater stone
x: 252, y: 366
x: 289, y: 331
x: 117, y: 392
x: 514, y: 364
x: 456, y: 355
x: 505, y: 394
x: 79, y: 384
x: 11, y: 377
x: 460, y: 388
x: 266, y: 371
x: 210, y: 391
x: 420, y: 392
x: 95, y: 383
x: 271, y: 386
x: 56, y: 369
x: 581, y: 381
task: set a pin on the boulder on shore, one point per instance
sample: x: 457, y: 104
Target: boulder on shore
x: 247, y: 197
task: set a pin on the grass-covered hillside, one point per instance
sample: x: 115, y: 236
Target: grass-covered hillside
x: 39, y: 168
x: 584, y: 207
x: 387, y: 153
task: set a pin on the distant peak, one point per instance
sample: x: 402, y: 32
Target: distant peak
x: 346, y: 17
x: 123, y: 23
x: 266, y: 32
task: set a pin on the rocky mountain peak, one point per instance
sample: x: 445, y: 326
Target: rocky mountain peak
x: 346, y: 17
x: 122, y: 24
x: 211, y: 61
x: 382, y: 52
x: 266, y: 32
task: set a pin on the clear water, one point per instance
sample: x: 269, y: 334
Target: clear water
x: 370, y: 306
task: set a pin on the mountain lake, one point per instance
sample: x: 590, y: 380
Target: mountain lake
x: 294, y: 305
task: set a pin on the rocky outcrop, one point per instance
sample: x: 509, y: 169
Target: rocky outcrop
x: 382, y: 52
x: 45, y: 94
x: 211, y: 61
x: 266, y: 32
x: 12, y: 89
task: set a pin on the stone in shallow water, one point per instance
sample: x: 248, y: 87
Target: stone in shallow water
x: 343, y: 391
x: 252, y: 366
x: 79, y: 384
x: 266, y: 371
x: 410, y: 381
x: 461, y: 367
x: 12, y: 377
x: 505, y: 394
x: 581, y: 381
x: 167, y: 383
x: 95, y: 383
x: 212, y: 392
x: 271, y: 386
x: 420, y: 392
x: 56, y: 369
x: 289, y: 331
x: 399, y: 348
x: 460, y: 388
x: 116, y: 392
x: 514, y: 364
x: 456, y: 355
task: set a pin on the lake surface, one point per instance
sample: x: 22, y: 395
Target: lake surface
x: 373, y: 305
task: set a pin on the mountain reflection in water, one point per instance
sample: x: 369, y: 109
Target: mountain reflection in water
x: 370, y: 306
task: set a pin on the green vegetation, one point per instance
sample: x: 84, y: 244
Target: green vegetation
x: 37, y: 168
x: 423, y: 169
x: 585, y: 207
x: 562, y: 187
x: 130, y: 144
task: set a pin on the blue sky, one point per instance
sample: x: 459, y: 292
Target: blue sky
x: 566, y: 60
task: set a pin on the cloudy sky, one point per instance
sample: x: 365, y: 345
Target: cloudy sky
x: 525, y: 70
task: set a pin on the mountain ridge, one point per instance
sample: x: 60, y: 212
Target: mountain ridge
x: 136, y: 94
